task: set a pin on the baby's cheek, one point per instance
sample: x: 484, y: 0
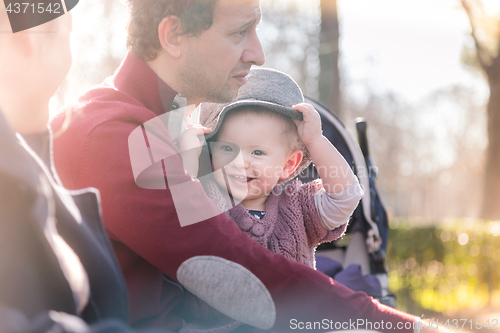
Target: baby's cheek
x: 269, y: 171
x: 257, y: 172
x: 219, y: 178
x: 219, y: 161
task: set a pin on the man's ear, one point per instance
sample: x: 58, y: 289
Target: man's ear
x: 291, y: 164
x: 169, y: 34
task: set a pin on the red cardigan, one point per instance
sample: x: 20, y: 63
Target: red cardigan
x: 91, y: 150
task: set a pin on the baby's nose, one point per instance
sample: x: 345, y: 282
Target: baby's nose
x: 239, y: 161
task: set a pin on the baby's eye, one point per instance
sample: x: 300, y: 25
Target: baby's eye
x: 258, y: 152
x: 226, y: 148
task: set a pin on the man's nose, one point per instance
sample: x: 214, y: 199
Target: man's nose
x: 254, y: 54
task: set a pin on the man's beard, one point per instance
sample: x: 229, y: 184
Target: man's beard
x: 199, y: 86
x: 224, y: 95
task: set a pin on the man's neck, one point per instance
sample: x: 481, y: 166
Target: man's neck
x: 161, y: 66
x: 189, y: 110
x: 25, y: 115
x: 193, y: 102
x: 23, y: 123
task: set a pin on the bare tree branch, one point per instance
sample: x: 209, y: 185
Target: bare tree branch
x: 496, y: 60
x: 480, y: 50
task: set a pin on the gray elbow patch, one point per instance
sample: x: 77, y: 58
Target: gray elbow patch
x: 230, y: 288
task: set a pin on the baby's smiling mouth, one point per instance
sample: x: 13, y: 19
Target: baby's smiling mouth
x: 241, y: 179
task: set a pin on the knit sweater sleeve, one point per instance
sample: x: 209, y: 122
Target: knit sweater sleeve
x: 335, y: 209
x: 316, y: 233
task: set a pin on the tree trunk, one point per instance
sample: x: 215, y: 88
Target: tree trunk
x: 490, y: 63
x: 329, y: 77
x: 491, y: 192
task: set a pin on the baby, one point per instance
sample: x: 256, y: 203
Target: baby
x: 261, y: 141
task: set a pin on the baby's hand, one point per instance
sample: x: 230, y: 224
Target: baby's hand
x: 310, y: 128
x: 190, y: 138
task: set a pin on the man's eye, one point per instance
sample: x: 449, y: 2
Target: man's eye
x: 226, y: 148
x: 258, y: 152
x: 241, y: 33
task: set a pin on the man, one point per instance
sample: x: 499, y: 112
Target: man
x: 200, y: 50
x: 58, y: 272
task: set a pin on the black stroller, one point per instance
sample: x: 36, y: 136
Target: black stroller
x: 367, y: 233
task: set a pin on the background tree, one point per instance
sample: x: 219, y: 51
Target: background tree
x: 290, y: 36
x: 485, y: 32
x: 329, y: 77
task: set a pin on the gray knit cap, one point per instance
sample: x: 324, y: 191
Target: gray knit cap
x: 269, y: 89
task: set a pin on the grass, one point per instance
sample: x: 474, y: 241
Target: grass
x: 445, y: 267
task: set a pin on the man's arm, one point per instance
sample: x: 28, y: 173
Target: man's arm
x: 146, y: 221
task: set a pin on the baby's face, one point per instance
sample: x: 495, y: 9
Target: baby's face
x: 251, y: 149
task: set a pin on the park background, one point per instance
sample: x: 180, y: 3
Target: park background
x: 411, y: 68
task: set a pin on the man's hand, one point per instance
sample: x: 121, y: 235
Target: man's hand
x: 190, y: 138
x: 191, y: 145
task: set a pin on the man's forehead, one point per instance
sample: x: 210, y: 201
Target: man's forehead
x: 237, y: 13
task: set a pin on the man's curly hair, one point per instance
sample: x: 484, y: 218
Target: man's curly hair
x: 145, y: 16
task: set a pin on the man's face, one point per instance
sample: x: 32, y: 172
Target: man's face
x: 57, y: 58
x: 216, y: 62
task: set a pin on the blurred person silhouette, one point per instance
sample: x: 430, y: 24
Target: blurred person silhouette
x: 58, y: 272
